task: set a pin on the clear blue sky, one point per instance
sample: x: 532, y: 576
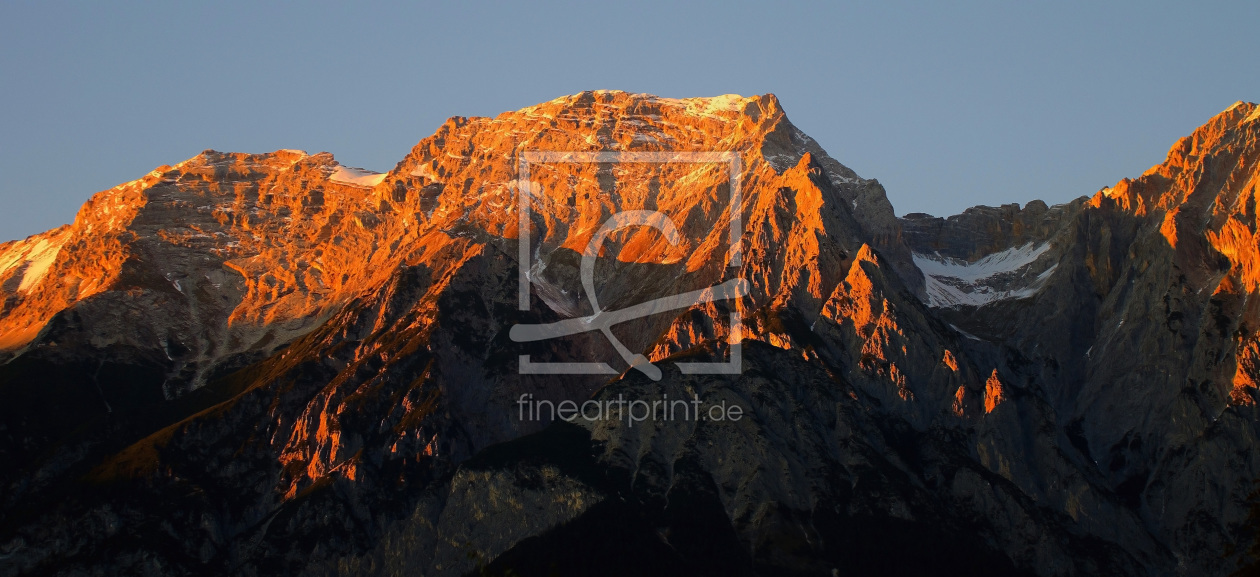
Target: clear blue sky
x: 949, y: 107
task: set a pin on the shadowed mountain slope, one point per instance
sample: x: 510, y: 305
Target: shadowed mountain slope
x: 275, y: 364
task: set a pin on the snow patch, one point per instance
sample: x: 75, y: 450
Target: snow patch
x: 964, y: 333
x: 782, y: 162
x: 1255, y: 115
x: 425, y: 171
x: 708, y: 107
x: 1009, y: 260
x: 356, y: 176
x: 954, y: 282
x: 837, y: 179
x: 12, y: 258
x: 38, y: 260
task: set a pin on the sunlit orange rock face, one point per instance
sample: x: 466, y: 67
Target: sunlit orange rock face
x: 458, y: 191
x: 1204, y: 198
x: 959, y: 398
x: 337, y: 344
x: 992, y: 392
x: 1142, y: 334
x: 1205, y: 188
x: 279, y: 241
x: 222, y: 259
x: 218, y: 255
x: 874, y: 321
x: 1246, y: 374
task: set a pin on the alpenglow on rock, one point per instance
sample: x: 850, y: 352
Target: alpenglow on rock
x: 276, y: 364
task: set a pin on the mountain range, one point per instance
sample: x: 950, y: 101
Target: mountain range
x: 274, y: 364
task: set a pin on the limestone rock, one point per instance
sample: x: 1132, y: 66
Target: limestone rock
x: 275, y: 364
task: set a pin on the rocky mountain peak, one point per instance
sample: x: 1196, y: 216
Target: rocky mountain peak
x: 279, y: 239
x: 301, y: 366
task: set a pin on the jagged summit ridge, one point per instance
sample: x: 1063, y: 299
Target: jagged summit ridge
x: 294, y: 363
x: 265, y: 213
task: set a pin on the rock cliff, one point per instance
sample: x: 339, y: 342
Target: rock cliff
x: 275, y: 364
